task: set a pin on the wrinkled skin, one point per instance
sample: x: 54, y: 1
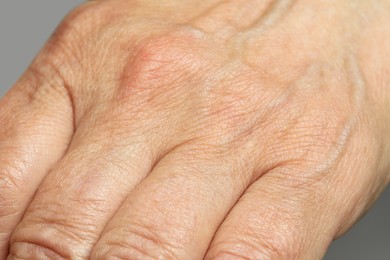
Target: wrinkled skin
x: 197, y: 129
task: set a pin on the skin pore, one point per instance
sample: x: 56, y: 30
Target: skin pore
x: 197, y: 130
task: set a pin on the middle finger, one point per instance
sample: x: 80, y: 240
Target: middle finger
x: 174, y: 212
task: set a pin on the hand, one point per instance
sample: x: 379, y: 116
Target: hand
x: 197, y: 129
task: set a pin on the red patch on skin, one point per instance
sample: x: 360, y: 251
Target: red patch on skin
x: 160, y: 61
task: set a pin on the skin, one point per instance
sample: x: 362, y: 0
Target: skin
x: 197, y: 129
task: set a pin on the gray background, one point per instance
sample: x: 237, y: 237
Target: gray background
x: 25, y: 26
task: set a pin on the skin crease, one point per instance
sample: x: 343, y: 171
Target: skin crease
x: 197, y: 130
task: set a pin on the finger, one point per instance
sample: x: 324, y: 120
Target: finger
x: 80, y: 195
x: 36, y: 125
x: 273, y: 221
x: 294, y: 212
x: 125, y: 129
x: 175, y: 211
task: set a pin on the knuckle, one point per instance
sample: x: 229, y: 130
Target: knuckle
x: 307, y: 139
x: 46, y: 82
x: 71, y: 49
x: 69, y: 36
x: 234, y: 255
x: 119, y: 251
x: 162, y: 62
x: 280, y: 250
x: 259, y: 250
x: 278, y: 240
x: 139, y: 242
x: 81, y: 22
x: 52, y: 235
x: 28, y: 250
x: 43, y: 82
